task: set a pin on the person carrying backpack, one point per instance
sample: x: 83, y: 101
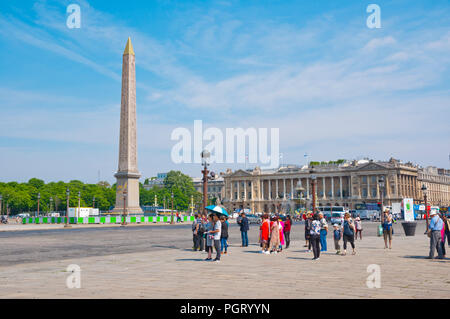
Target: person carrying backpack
x: 349, y: 233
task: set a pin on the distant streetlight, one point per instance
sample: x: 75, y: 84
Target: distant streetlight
x: 171, y: 214
x: 93, y: 202
x: 67, y: 212
x: 38, y: 198
x: 313, y: 186
x: 79, y: 204
x: 50, y: 205
x: 381, y: 184
x: 124, y: 221
x: 424, y: 191
x: 1, y: 204
x: 205, y: 158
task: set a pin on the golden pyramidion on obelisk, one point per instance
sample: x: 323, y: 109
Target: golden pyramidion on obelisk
x: 127, y: 193
x: 129, y: 48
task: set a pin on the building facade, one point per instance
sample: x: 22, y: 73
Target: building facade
x: 215, y: 187
x: 158, y: 181
x: 343, y: 184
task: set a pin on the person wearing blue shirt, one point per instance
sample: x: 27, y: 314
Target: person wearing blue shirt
x: 434, y: 229
x: 244, y: 228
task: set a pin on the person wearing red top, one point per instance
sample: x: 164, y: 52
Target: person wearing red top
x: 264, y: 233
x: 287, y: 230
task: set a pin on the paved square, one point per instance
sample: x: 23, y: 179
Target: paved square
x: 176, y: 272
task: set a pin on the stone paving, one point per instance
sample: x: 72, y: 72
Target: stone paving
x: 243, y: 273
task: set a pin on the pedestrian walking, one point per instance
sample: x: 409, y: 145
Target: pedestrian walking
x: 443, y: 237
x: 308, y: 223
x: 349, y: 234
x: 315, y: 236
x: 244, y: 228
x: 281, y: 230
x: 323, y: 232
x: 337, y: 235
x: 195, y: 232
x: 287, y: 230
x: 209, y: 237
x: 224, y: 235
x: 216, y: 232
x: 358, y: 227
x: 446, y: 222
x: 387, y: 228
x: 434, y: 232
x: 274, y: 235
x: 264, y: 234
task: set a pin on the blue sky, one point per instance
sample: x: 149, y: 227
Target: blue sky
x: 335, y: 88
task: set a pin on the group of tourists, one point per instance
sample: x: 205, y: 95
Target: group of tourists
x: 274, y: 234
x: 210, y: 231
x: 438, y: 231
x: 316, y: 230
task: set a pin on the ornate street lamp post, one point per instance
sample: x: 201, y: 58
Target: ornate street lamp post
x: 1, y: 204
x: 50, y: 205
x: 299, y: 192
x: 38, y: 198
x: 313, y: 186
x: 424, y: 191
x: 124, y: 221
x: 381, y: 183
x: 205, y: 157
x: 171, y: 213
x: 93, y: 202
x: 67, y: 212
x: 79, y: 204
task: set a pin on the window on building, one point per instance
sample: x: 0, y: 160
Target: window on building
x: 364, y: 192
x: 235, y: 195
x: 364, y: 179
x: 374, y: 179
x: 374, y: 192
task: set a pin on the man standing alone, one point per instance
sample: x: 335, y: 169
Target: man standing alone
x: 243, y: 222
x: 434, y: 231
x: 323, y: 233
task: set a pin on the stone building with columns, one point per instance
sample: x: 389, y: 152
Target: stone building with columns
x: 344, y: 184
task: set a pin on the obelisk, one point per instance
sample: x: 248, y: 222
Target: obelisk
x: 128, y: 175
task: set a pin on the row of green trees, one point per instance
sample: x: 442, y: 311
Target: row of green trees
x: 23, y: 197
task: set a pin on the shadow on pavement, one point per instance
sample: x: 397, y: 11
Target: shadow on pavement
x: 190, y: 259
x: 301, y: 258
x: 252, y: 251
x: 426, y: 258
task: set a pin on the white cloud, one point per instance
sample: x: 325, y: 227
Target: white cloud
x: 379, y: 43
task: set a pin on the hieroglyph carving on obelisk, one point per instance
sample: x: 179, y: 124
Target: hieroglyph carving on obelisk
x: 128, y: 175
